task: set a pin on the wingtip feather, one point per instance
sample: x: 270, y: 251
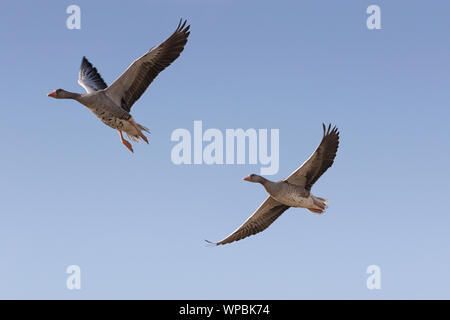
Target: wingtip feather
x: 330, y: 130
x: 213, y: 243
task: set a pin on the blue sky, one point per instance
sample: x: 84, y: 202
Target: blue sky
x: 135, y: 223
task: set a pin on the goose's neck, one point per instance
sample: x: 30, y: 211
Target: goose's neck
x: 70, y: 95
x: 267, y: 184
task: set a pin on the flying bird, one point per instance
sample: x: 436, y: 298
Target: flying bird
x: 112, y: 104
x: 294, y: 191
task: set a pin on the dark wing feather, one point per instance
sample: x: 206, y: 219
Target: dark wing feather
x: 263, y: 217
x: 89, y: 78
x: 135, y: 80
x: 310, y: 171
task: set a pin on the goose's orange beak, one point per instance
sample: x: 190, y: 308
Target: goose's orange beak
x: 247, y: 178
x: 52, y: 94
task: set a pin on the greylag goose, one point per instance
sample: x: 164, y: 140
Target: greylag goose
x: 112, y: 104
x: 295, y: 191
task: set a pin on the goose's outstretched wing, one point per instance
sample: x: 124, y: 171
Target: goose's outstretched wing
x: 89, y: 78
x: 135, y: 80
x: 310, y: 171
x: 263, y: 217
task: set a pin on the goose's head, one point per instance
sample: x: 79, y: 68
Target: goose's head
x: 62, y: 94
x: 255, y: 178
x: 56, y: 93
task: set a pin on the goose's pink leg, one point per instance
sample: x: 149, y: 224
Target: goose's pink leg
x: 138, y: 131
x: 125, y: 142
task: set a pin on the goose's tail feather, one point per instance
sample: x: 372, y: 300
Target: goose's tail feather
x: 320, y: 204
x: 136, y: 137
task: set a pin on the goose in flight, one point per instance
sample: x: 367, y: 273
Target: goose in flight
x: 112, y: 104
x: 295, y: 191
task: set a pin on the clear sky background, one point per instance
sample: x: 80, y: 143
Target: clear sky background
x: 70, y: 193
